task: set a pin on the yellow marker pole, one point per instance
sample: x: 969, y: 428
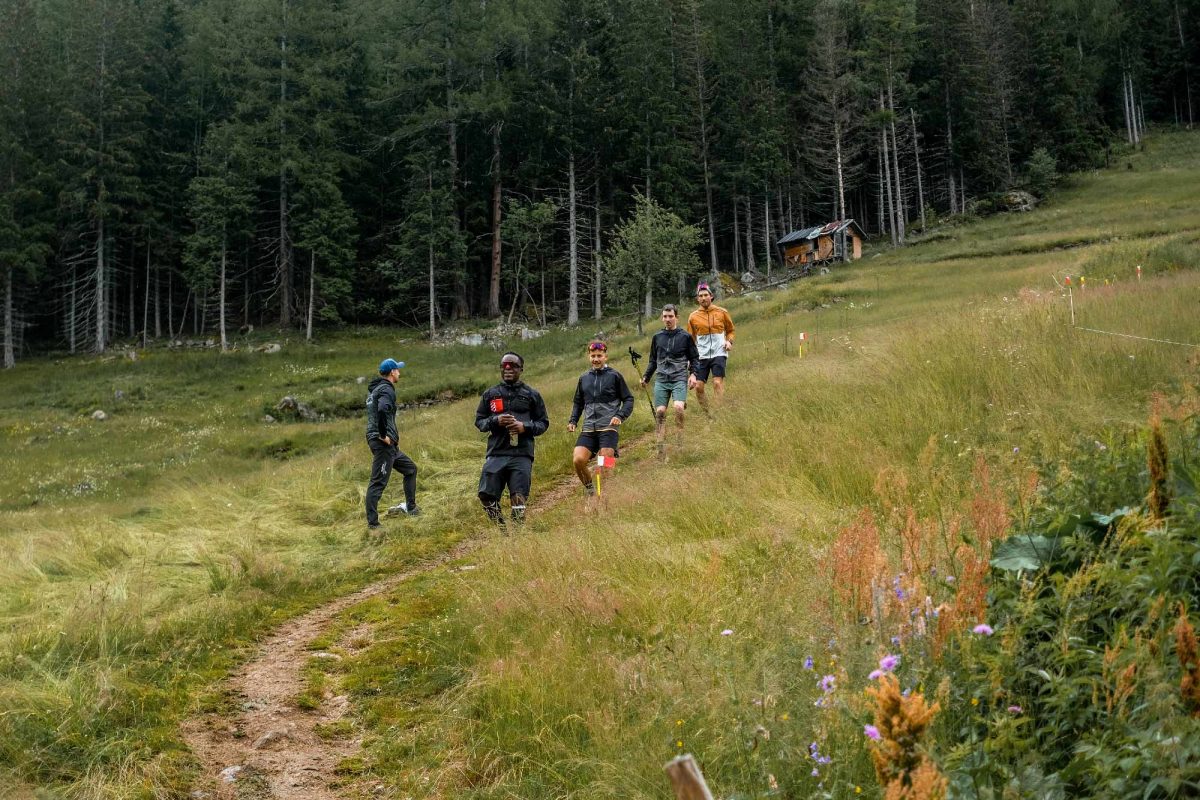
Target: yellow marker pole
x: 596, y: 475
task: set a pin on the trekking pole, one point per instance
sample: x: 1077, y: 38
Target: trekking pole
x: 635, y: 356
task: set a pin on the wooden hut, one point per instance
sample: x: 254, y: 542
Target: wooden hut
x: 840, y: 240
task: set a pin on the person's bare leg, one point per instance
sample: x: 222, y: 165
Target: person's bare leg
x: 718, y: 388
x: 581, y: 460
x: 701, y: 397
x: 608, y: 453
x: 660, y: 426
x: 679, y: 410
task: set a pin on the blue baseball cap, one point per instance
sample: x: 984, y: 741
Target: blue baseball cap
x: 389, y: 364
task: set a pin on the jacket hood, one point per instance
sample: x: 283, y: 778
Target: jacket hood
x: 375, y: 382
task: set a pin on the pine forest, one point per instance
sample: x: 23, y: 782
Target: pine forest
x: 175, y: 169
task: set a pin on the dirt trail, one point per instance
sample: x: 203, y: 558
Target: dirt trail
x: 271, y: 749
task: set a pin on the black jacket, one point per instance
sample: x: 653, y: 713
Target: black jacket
x: 673, y: 353
x: 381, y: 411
x: 601, y: 395
x: 523, y: 402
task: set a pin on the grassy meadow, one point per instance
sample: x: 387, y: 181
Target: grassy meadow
x: 145, y: 553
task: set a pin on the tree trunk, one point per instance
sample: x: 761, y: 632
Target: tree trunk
x: 702, y: 113
x: 917, y: 160
x: 494, y: 285
x: 573, y: 247
x: 171, y: 304
x: 1187, y: 70
x: 887, y: 182
x: 648, y: 310
x: 950, y: 155
x: 749, y: 236
x: 767, y: 228
x: 312, y: 293
x: 901, y: 215
x: 432, y: 286
x: 1125, y: 106
x: 146, y: 300
x: 597, y: 261
x: 157, y: 300
x: 132, y: 290
x: 72, y: 313
x: 882, y: 202
x: 283, y: 270
x: 841, y: 178
x: 462, y: 307
x: 737, y: 239
x: 10, y: 359
x: 101, y: 289
x: 221, y: 297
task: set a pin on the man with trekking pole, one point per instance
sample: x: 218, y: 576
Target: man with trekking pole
x: 674, y: 357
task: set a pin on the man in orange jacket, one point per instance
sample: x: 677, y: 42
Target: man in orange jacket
x: 712, y: 328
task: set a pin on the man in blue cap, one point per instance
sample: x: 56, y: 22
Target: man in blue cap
x: 384, y: 440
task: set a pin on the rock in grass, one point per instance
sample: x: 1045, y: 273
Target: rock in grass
x: 271, y: 737
x: 302, y: 410
x: 267, y: 418
x: 99, y: 415
x: 230, y: 774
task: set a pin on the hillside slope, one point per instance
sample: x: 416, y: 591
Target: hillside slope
x: 145, y: 553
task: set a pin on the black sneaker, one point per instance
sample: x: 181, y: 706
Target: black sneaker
x: 397, y: 511
x: 413, y: 512
x: 375, y: 527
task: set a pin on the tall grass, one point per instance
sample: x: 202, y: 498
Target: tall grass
x: 142, y: 555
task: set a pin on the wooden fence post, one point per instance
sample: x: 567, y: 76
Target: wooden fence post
x: 686, y: 779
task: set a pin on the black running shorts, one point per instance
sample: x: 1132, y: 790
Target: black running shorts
x: 714, y: 365
x: 597, y: 440
x: 515, y: 472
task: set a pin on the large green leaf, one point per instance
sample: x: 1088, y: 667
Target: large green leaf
x: 1024, y: 552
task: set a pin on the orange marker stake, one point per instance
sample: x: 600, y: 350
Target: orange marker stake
x: 1139, y: 271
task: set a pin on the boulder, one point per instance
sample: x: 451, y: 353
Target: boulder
x: 267, y: 418
x: 470, y: 339
x: 360, y: 380
x: 297, y: 408
x: 99, y: 415
x: 273, y: 347
x: 1018, y: 200
x: 532, y: 333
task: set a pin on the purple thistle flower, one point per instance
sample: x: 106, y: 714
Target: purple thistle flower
x: 983, y: 629
x: 872, y: 732
x: 889, y: 662
x: 1015, y: 710
x: 876, y: 674
x: 828, y: 683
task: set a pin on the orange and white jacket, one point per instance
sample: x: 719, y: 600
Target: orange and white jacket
x: 711, y: 328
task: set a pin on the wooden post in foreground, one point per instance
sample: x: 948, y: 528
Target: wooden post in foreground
x: 686, y: 779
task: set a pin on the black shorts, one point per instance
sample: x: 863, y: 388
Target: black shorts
x: 714, y: 365
x: 515, y: 472
x: 598, y: 440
